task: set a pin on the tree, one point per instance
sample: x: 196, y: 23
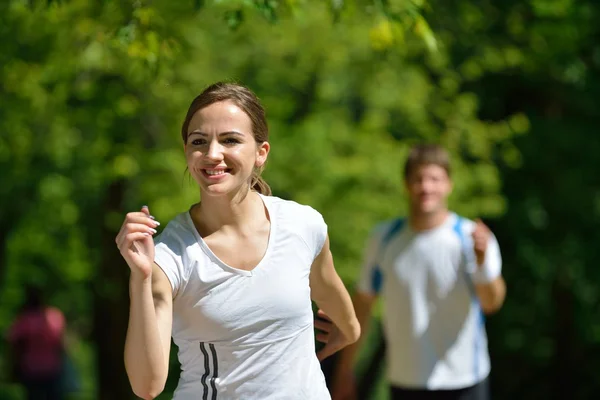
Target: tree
x: 93, y: 95
x: 539, y: 58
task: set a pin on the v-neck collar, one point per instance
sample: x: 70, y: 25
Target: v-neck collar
x: 272, y: 218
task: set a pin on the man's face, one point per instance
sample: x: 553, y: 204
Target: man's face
x: 428, y: 188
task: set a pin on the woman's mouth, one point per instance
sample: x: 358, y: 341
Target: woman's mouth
x: 215, y: 173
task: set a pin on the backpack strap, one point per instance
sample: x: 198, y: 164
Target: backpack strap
x: 377, y: 274
x: 468, y: 258
x: 466, y: 254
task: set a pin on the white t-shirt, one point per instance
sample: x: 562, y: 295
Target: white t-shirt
x: 246, y: 334
x: 433, y: 323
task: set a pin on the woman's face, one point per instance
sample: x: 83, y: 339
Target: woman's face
x: 221, y: 151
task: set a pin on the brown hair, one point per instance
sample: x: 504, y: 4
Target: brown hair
x: 246, y: 100
x: 424, y: 154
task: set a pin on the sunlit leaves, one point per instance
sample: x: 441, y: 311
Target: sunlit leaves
x: 95, y: 93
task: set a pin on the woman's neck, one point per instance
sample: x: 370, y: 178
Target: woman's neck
x: 216, y: 212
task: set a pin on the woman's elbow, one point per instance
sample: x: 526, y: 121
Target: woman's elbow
x: 148, y: 391
x: 145, y: 386
x: 355, y: 331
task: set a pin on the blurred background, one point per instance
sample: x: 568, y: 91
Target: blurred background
x: 93, y: 94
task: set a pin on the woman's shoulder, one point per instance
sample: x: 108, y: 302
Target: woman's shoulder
x: 178, y: 232
x: 178, y: 225
x: 292, y: 208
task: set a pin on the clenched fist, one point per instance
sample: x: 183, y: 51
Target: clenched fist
x: 481, y: 236
x: 135, y: 242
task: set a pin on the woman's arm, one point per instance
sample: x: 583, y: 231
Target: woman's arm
x: 331, y: 296
x: 148, y: 341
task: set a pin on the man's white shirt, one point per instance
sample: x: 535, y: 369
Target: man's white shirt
x: 433, y: 323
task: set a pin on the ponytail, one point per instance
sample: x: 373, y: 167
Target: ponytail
x: 258, y: 184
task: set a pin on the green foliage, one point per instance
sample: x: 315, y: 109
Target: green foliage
x: 538, y: 61
x: 92, y: 96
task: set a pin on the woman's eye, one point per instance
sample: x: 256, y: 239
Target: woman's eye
x: 198, y: 142
x: 231, y: 141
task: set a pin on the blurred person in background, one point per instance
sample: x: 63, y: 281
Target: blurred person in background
x: 36, y: 348
x: 437, y: 273
x: 232, y: 278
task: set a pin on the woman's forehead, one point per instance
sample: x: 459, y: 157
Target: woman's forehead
x: 221, y: 116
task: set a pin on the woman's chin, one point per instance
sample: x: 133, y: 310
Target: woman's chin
x: 215, y: 190
x: 220, y: 190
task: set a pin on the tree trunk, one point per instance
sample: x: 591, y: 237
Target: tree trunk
x: 564, y: 363
x: 3, y: 256
x: 111, y: 307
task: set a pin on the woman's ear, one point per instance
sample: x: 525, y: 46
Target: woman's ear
x: 262, y: 152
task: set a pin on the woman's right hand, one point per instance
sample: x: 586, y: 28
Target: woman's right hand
x: 135, y: 242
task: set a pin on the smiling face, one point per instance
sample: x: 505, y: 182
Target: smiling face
x: 221, y: 150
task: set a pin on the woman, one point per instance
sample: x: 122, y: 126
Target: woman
x: 232, y: 278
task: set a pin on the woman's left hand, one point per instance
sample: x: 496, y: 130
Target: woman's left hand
x: 329, y: 334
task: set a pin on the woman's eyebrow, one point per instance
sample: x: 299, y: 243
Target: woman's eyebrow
x: 197, y: 132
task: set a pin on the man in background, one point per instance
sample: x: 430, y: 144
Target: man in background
x: 438, y: 273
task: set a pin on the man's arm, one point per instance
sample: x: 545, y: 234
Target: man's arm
x: 366, y: 293
x: 491, y: 295
x: 489, y: 283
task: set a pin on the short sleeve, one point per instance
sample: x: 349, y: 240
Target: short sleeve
x: 370, y: 278
x: 169, y: 256
x: 317, y: 231
x: 492, y: 265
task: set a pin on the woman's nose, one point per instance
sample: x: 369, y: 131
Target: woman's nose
x: 215, y: 151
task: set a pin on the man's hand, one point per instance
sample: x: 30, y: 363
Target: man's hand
x: 490, y: 291
x: 481, y: 236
